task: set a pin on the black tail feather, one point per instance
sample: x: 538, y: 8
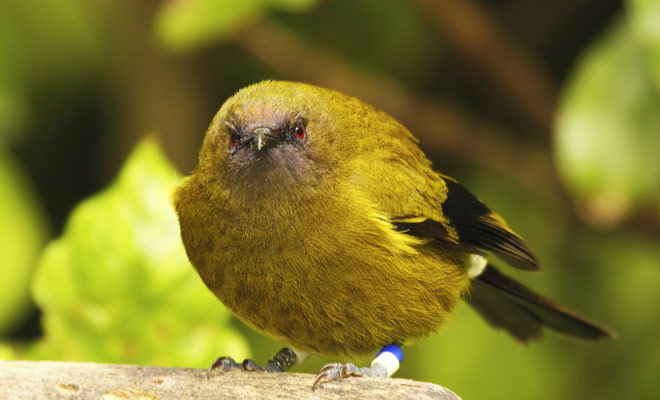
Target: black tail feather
x: 507, y: 304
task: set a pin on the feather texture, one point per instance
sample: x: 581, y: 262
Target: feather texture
x: 478, y: 228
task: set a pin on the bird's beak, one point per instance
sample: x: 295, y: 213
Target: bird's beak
x: 263, y: 138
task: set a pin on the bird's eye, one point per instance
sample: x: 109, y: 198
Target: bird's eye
x: 300, y: 131
x: 234, y: 139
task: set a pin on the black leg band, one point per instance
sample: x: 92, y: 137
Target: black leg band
x: 282, y: 361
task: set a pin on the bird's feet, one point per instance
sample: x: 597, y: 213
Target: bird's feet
x: 384, y: 365
x: 333, y: 372
x: 281, y: 362
x: 225, y: 364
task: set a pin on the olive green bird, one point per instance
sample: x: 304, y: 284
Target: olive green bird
x: 317, y: 220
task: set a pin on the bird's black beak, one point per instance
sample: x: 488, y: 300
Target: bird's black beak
x: 263, y: 138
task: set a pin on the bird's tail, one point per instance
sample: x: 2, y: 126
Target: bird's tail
x: 507, y: 304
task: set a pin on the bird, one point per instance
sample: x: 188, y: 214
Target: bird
x: 318, y: 221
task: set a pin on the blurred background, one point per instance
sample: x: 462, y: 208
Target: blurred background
x: 549, y: 111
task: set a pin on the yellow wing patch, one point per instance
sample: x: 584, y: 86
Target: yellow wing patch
x: 399, y: 241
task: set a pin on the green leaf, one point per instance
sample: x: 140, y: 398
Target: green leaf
x: 185, y: 24
x: 117, y: 285
x: 6, y: 352
x: 23, y: 233
x: 644, y: 18
x: 608, y: 127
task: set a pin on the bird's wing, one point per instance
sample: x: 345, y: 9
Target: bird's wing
x: 425, y: 204
x: 470, y: 225
x: 507, y: 304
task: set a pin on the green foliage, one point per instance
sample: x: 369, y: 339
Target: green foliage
x: 186, y: 24
x: 117, y: 286
x: 23, y: 233
x: 644, y: 18
x: 7, y: 352
x: 40, y: 41
x: 608, y: 126
x: 13, y: 107
x: 44, y: 38
x: 624, y: 270
x: 402, y: 42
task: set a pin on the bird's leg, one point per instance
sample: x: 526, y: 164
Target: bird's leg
x: 281, y: 362
x: 384, y: 365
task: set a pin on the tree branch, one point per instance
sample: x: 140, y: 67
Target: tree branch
x: 517, y: 76
x: 69, y: 380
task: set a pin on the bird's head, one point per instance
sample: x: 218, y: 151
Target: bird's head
x: 281, y: 135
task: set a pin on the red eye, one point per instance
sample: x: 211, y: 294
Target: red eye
x: 234, y: 139
x: 300, y: 131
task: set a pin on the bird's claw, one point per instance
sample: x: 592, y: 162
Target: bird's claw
x: 281, y: 361
x: 328, y: 373
x: 250, y: 365
x: 333, y: 372
x: 225, y: 364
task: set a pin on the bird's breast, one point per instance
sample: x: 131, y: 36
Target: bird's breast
x: 325, y: 275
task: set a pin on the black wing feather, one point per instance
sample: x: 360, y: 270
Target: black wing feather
x: 505, y: 303
x: 434, y: 229
x: 476, y: 227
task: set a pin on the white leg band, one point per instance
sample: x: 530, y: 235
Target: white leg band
x: 387, y: 360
